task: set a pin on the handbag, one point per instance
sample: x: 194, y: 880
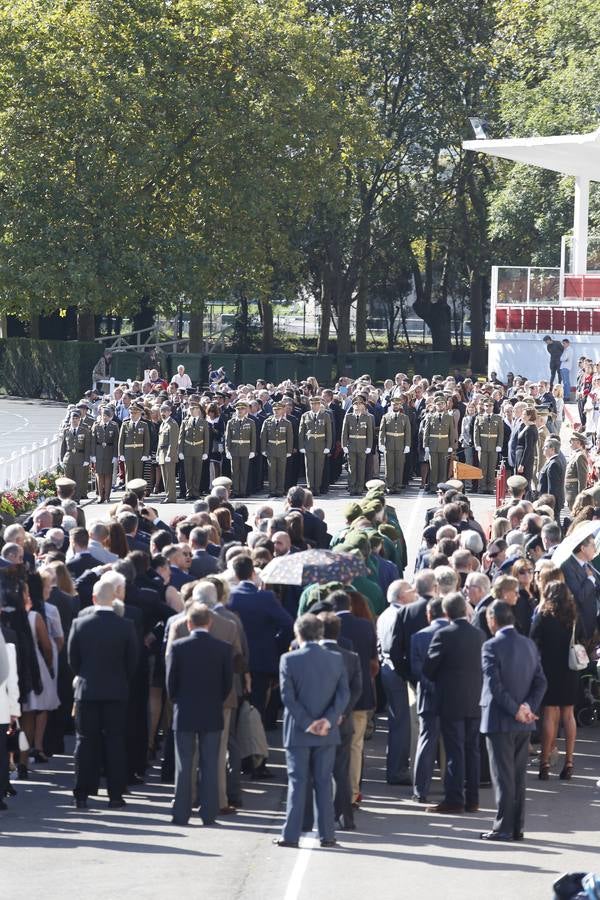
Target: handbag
x: 250, y: 734
x: 578, y: 658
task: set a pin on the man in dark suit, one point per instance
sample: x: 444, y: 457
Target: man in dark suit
x: 199, y: 659
x: 552, y: 475
x: 202, y: 562
x: 583, y: 581
x: 344, y: 813
x: 429, y: 720
x: 453, y: 663
x: 363, y: 639
x: 102, y: 653
x: 268, y: 628
x: 513, y: 688
x: 315, y: 530
x: 315, y: 694
x: 82, y: 559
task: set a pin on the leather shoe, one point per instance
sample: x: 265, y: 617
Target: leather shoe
x: 471, y: 807
x: 329, y: 844
x: 117, y: 803
x: 519, y: 836
x: 280, y: 842
x: 444, y: 807
x: 416, y: 799
x: 227, y: 811
x: 495, y: 836
x: 345, y: 824
x: 80, y: 803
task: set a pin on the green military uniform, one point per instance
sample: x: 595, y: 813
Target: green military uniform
x: 394, y: 442
x: 437, y: 442
x: 240, y: 446
x: 194, y: 444
x: 166, y: 453
x: 87, y: 418
x: 75, y: 454
x: 488, y: 435
x: 315, y: 436
x: 576, y: 471
x: 134, y: 447
x: 105, y: 441
x: 357, y: 441
x: 277, y: 443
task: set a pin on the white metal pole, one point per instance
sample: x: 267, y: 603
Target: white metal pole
x: 580, y: 225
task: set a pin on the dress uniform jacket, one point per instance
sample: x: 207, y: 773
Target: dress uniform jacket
x: 357, y: 435
x: 315, y: 435
x: 240, y: 442
x: 576, y: 475
x: 276, y: 443
x: 134, y: 442
x: 438, y: 435
x: 105, y: 441
x: 395, y: 434
x: 194, y: 443
x: 488, y: 433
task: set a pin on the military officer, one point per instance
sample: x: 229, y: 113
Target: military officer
x: 276, y: 444
x: 438, y: 436
x: 134, y: 443
x: 240, y: 447
x: 85, y: 408
x: 314, y: 442
x: 194, y: 444
x: 395, y: 437
x: 166, y: 452
x: 357, y: 441
x: 105, y: 441
x: 576, y: 472
x: 75, y: 453
x: 488, y: 434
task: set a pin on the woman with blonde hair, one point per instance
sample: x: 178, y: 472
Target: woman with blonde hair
x: 63, y: 580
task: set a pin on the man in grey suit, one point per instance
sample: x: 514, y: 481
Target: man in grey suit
x: 315, y: 694
x: 513, y: 688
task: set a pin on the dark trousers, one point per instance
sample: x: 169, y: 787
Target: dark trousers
x: 426, y: 753
x: 304, y: 763
x: 509, y: 755
x: 398, y: 710
x: 259, y: 695
x: 555, y: 373
x: 207, y: 775
x: 4, y: 772
x: 461, y: 741
x: 100, y: 726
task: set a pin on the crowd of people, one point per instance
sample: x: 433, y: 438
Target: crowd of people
x: 170, y: 641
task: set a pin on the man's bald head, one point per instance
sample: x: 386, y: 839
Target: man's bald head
x: 281, y: 542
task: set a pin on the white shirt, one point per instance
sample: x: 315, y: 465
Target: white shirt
x: 183, y: 381
x: 566, y: 360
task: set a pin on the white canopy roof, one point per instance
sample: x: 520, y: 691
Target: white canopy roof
x: 569, y: 154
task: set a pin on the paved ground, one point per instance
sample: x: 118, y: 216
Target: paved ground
x: 24, y: 421
x: 137, y: 852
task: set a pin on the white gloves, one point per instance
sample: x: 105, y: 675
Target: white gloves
x: 92, y: 459
x: 406, y: 450
x: 326, y: 451
x: 381, y: 448
x: 498, y: 449
x: 181, y: 456
x: 264, y: 452
x: 345, y: 449
x: 449, y: 449
x: 85, y: 465
x: 228, y: 454
x: 205, y: 456
x: 288, y: 455
x: 478, y: 449
x: 145, y: 458
x: 303, y: 451
x: 427, y: 453
x: 251, y: 455
x: 167, y: 459
x: 121, y: 459
x: 368, y: 450
x: 114, y: 459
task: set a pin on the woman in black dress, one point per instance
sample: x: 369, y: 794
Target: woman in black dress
x: 527, y: 439
x: 551, y: 630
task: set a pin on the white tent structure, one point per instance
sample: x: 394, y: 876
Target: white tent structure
x: 570, y: 154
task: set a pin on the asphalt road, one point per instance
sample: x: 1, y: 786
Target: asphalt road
x: 49, y: 849
x: 24, y: 421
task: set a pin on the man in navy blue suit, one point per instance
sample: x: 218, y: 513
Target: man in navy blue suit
x: 315, y: 694
x: 268, y: 627
x: 513, y: 688
x: 199, y: 678
x: 429, y: 720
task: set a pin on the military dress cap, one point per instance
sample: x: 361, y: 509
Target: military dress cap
x: 374, y: 484
x: 138, y: 405
x: 223, y: 481
x: 166, y: 406
x: 137, y: 484
x: 359, y: 398
x: 315, y: 399
x: 85, y: 403
x: 352, y: 511
x: 241, y: 404
x: 278, y: 405
x: 75, y: 414
x: 579, y: 437
x: 439, y: 397
x: 194, y: 403
x: 517, y: 482
x: 63, y: 481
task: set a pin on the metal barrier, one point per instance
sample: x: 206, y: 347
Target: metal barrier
x: 30, y: 462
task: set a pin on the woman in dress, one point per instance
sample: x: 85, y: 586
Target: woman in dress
x: 526, y: 600
x: 552, y: 630
x: 527, y: 440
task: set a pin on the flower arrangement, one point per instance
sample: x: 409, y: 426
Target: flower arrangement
x: 46, y: 483
x: 19, y: 501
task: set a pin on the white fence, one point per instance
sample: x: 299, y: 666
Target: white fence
x: 29, y: 463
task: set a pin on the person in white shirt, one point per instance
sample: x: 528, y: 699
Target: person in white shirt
x: 566, y: 364
x: 182, y: 379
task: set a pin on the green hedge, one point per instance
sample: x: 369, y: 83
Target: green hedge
x: 56, y: 370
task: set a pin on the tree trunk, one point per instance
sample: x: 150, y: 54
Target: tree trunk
x: 343, y: 325
x: 267, y: 339
x: 323, y: 342
x: 85, y: 326
x: 196, y: 342
x: 437, y: 316
x: 478, y: 360
x: 34, y: 326
x: 361, y: 309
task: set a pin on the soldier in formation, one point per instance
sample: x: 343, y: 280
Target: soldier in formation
x: 104, y: 450
x: 438, y: 438
x: 194, y: 446
x: 167, y: 452
x: 75, y: 453
x: 314, y: 442
x: 276, y: 445
x: 394, y: 442
x: 134, y: 443
x: 240, y: 447
x: 357, y: 440
x: 488, y: 435
x: 576, y: 472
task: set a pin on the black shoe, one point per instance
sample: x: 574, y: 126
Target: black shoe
x: 117, y: 803
x: 329, y: 844
x: 80, y: 803
x: 279, y: 842
x: 519, y: 836
x: 345, y: 824
x: 179, y: 822
x: 416, y: 799
x: 10, y: 791
x: 495, y: 836
x: 262, y: 773
x: 22, y: 772
x: 134, y: 779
